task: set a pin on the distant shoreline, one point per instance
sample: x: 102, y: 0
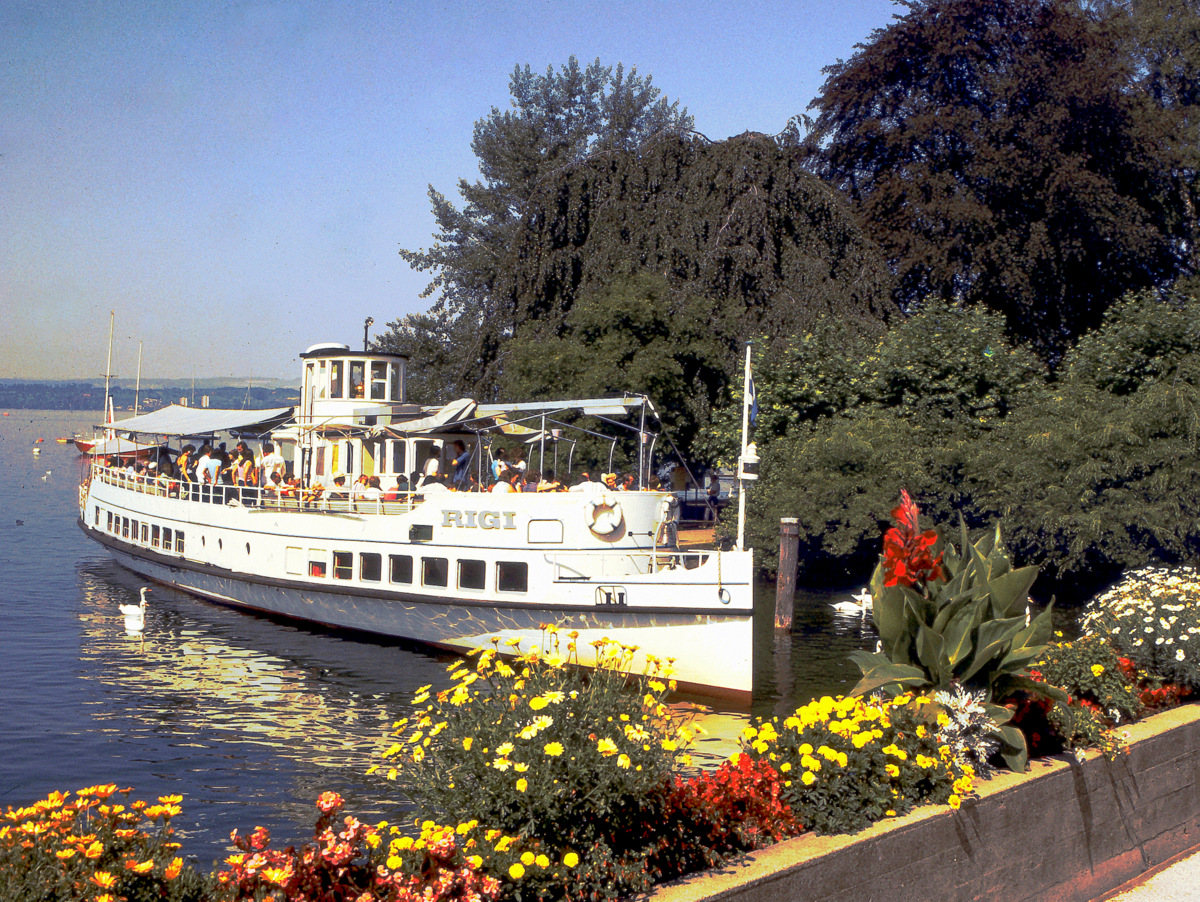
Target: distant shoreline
x: 86, y: 396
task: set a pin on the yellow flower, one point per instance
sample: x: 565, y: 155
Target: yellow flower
x: 1097, y: 669
x: 537, y: 703
x: 553, y: 749
x: 669, y: 745
x: 139, y: 867
x: 809, y: 778
x: 171, y: 871
x: 475, y: 861
x: 95, y: 850
x: 570, y: 859
x: 522, y: 785
x: 954, y: 802
x: 527, y: 858
x: 624, y: 762
x: 543, y: 861
x: 516, y: 871
x: 892, y: 770
x: 467, y: 741
x: 607, y: 747
x: 104, y: 879
x: 64, y: 854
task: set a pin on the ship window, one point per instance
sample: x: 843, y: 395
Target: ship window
x: 343, y: 565
x: 398, y: 457
x: 357, y: 379
x: 370, y: 567
x: 397, y: 395
x: 179, y: 541
x: 545, y: 532
x: 349, y: 464
x: 336, y: 390
x: 315, y: 568
x: 320, y: 465
x: 293, y: 560
x: 512, y: 576
x: 97, y: 510
x: 125, y: 527
x: 110, y: 521
x: 401, y: 566
x: 145, y: 533
x: 471, y: 574
x: 134, y: 530
x: 155, y: 536
x: 167, y: 539
x: 378, y: 380
x: 435, y: 571
x: 322, y: 380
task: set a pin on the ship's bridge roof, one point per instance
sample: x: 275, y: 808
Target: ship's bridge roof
x: 188, y: 421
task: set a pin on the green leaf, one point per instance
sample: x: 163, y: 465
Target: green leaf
x: 994, y: 638
x: 958, y: 642
x: 929, y: 653
x: 878, y: 674
x: 1010, y: 591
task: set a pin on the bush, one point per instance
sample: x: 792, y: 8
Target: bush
x: 99, y: 846
x: 848, y: 762
x: 557, y: 761
x: 1152, y: 617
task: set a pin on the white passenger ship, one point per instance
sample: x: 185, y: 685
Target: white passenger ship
x: 454, y: 569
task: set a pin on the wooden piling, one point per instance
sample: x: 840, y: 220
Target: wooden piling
x: 785, y: 582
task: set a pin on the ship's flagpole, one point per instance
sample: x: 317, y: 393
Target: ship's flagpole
x: 137, y: 388
x: 112, y: 315
x: 749, y: 412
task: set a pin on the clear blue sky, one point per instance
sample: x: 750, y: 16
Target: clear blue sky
x: 234, y: 179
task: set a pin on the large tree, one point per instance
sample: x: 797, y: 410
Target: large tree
x: 556, y: 119
x: 1005, y: 152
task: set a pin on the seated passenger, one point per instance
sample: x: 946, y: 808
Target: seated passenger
x: 337, y: 492
x: 587, y: 484
x: 509, y: 482
x: 372, y: 492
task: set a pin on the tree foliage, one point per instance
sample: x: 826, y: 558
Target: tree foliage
x: 738, y: 222
x: 556, y: 119
x: 1002, y: 152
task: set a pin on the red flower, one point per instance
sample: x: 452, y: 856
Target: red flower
x: 907, y: 560
x: 329, y: 802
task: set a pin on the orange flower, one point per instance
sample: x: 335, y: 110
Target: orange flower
x: 95, y: 850
x: 139, y: 867
x: 104, y: 879
x: 172, y: 870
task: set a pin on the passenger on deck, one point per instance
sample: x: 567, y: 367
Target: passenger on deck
x: 358, y: 490
x: 462, y: 460
x: 207, y: 470
x: 372, y: 492
x: 530, y: 481
x: 714, y: 496
x: 270, y: 462
x: 509, y: 482
x: 337, y: 492
x: 587, y: 484
x: 186, y: 463
x: 499, y: 465
x: 628, y: 483
x: 610, y: 481
x: 274, y: 487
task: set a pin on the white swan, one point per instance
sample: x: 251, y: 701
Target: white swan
x: 135, y: 614
x: 860, y: 606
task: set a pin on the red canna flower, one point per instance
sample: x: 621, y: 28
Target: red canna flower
x: 907, y: 558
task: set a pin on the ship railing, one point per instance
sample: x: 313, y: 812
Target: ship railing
x: 584, y: 565
x: 252, y: 496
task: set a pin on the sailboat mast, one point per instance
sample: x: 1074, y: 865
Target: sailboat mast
x: 137, y: 388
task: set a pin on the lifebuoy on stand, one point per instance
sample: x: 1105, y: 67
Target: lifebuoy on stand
x: 603, y: 514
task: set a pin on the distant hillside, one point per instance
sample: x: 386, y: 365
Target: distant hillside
x: 32, y: 395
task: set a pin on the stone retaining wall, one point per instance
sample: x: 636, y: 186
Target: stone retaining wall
x: 1062, y: 832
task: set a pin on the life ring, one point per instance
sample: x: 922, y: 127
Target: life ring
x: 603, y: 514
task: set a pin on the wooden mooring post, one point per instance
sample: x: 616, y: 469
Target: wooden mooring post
x: 785, y: 581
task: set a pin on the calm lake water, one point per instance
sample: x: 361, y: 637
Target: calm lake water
x: 248, y: 719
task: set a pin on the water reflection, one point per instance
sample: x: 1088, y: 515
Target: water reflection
x: 305, y: 711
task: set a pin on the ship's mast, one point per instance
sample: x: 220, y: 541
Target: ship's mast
x: 108, y: 418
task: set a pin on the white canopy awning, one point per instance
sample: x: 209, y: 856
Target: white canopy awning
x: 110, y: 447
x: 187, y: 421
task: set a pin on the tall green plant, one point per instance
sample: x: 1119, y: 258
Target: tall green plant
x: 946, y: 618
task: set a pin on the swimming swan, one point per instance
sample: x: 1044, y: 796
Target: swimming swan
x: 135, y: 614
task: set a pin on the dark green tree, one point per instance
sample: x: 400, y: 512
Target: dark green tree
x: 738, y: 222
x: 556, y: 119
x: 633, y: 334
x: 1003, y: 152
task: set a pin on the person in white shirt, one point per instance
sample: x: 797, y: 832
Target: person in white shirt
x: 270, y: 462
x: 509, y: 482
x: 207, y: 469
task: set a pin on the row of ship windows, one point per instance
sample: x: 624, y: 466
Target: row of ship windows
x: 511, y: 576
x: 145, y: 533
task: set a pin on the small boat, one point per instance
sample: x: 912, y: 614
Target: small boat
x: 411, y: 557
x: 62, y: 440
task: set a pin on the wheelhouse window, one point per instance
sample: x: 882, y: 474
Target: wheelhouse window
x: 179, y: 541
x: 167, y: 539
x: 401, y: 566
x: 357, y: 379
x: 397, y: 394
x: 370, y: 567
x: 343, y: 565
x: 145, y: 533
x: 125, y: 527
x: 471, y: 574
x: 435, y: 571
x: 110, y: 521
x: 512, y: 576
x: 336, y: 387
x: 379, y: 380
x: 155, y: 536
x: 398, y: 457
